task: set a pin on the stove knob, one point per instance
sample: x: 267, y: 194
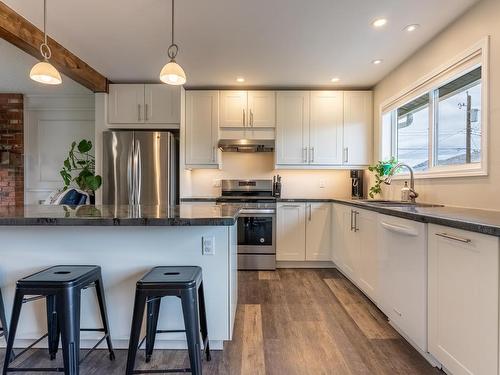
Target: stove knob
x: 262, y: 240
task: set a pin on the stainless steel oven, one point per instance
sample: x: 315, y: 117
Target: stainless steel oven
x: 256, y: 223
x: 257, y: 239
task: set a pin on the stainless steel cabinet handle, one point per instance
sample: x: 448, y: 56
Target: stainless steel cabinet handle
x: 130, y: 174
x: 291, y: 205
x: 310, y: 212
x: 346, y: 155
x: 311, y: 157
x: 146, y: 112
x: 251, y: 118
x: 352, y: 216
x: 454, y: 238
x: 356, y: 228
x: 304, y: 154
x: 138, y: 177
x: 138, y: 112
x: 243, y: 117
x: 397, y: 312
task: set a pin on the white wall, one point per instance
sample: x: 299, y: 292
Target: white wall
x: 296, y: 183
x: 51, y: 123
x: 478, y: 22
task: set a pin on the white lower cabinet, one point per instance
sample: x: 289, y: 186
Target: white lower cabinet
x: 303, y: 232
x: 403, y: 276
x: 355, y: 249
x: 463, y: 300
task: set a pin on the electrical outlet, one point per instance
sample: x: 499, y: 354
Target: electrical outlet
x: 322, y: 183
x: 216, y: 182
x: 208, y: 245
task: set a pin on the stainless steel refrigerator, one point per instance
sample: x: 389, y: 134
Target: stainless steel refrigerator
x: 140, y: 167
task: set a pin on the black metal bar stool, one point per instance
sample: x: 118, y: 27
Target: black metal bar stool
x: 185, y: 283
x: 3, y: 324
x: 61, y: 286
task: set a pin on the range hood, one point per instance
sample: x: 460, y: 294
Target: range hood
x: 246, y: 145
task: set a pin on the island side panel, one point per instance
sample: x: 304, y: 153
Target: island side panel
x: 125, y: 254
x: 233, y: 276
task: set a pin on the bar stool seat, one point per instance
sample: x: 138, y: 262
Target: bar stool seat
x: 61, y: 286
x: 186, y: 283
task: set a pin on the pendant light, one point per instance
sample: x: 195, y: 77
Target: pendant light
x: 172, y: 73
x: 44, y: 72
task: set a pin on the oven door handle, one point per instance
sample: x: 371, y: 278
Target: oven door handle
x: 246, y: 211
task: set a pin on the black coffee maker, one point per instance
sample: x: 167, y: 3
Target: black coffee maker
x: 357, y: 184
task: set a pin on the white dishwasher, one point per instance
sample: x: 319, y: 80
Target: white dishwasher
x: 403, y: 276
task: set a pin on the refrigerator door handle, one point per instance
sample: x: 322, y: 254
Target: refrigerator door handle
x: 130, y: 174
x: 138, y: 172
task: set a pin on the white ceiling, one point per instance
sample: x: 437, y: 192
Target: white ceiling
x: 269, y: 42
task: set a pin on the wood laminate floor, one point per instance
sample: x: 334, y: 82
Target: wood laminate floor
x: 288, y: 322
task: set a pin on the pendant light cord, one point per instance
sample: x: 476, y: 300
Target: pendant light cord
x: 173, y: 49
x: 44, y: 47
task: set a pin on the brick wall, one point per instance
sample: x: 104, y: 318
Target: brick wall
x: 11, y: 150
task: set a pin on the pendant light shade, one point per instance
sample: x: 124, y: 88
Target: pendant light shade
x: 44, y: 72
x: 172, y: 73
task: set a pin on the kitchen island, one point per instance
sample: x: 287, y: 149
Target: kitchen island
x: 126, y: 241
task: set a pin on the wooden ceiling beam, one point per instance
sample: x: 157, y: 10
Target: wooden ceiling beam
x: 17, y: 30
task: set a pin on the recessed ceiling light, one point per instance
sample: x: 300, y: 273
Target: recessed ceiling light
x: 412, y: 28
x: 377, y: 62
x: 335, y: 79
x: 379, y: 22
x: 240, y: 79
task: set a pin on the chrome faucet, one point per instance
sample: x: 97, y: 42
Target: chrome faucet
x: 390, y: 175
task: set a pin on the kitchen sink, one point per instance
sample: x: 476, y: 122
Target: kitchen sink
x: 390, y: 203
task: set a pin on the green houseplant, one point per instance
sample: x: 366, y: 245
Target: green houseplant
x: 79, y: 168
x: 381, y: 169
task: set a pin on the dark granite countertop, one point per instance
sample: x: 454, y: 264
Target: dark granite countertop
x: 475, y: 220
x: 183, y: 215
x: 199, y: 199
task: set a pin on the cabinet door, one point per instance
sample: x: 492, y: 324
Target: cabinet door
x: 403, y: 276
x: 367, y: 261
x: 326, y: 127
x: 162, y: 104
x: 261, y: 109
x: 126, y: 104
x: 358, y: 127
x: 291, y: 232
x: 292, y: 127
x: 318, y: 231
x: 233, y: 109
x: 350, y: 248
x: 201, y: 127
x: 463, y: 300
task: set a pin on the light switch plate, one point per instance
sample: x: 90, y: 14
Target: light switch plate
x: 322, y: 183
x: 208, y: 245
x: 216, y: 182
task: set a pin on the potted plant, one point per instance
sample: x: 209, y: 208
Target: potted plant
x: 79, y: 168
x: 381, y: 169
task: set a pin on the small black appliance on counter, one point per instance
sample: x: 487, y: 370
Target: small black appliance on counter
x: 357, y: 184
x: 277, y: 186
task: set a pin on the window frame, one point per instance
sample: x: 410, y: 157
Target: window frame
x: 431, y: 83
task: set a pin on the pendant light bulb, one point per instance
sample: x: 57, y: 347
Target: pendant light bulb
x: 172, y: 73
x: 44, y: 72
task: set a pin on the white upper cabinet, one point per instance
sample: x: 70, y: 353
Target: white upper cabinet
x: 463, y: 300
x: 261, y: 109
x: 318, y: 231
x: 162, y: 104
x: 292, y: 127
x: 325, y: 145
x: 358, y: 128
x: 144, y: 104
x: 126, y: 104
x: 201, y: 128
x: 233, y: 109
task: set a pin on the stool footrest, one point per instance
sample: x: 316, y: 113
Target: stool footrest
x: 35, y: 369
x: 93, y: 348
x: 30, y: 346
x: 165, y: 371
x: 92, y: 329
x: 31, y: 299
x: 170, y: 330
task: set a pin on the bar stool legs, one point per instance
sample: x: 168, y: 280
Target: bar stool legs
x: 189, y: 301
x: 53, y: 327
x: 153, y: 312
x: 14, y: 320
x: 104, y: 315
x: 135, y: 331
x: 4, y: 331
